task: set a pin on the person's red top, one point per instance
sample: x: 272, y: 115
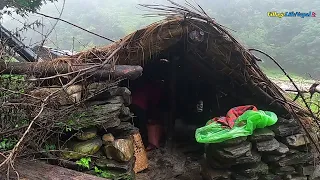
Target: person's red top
x: 147, y: 95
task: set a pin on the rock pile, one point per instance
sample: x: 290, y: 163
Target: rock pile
x: 281, y: 151
x: 105, y: 136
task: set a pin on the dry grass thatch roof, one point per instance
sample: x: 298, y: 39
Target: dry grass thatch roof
x: 217, y: 50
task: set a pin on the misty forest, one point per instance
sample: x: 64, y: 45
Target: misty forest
x: 159, y: 90
x: 294, y: 42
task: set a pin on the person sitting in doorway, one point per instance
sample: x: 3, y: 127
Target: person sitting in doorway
x: 145, y: 103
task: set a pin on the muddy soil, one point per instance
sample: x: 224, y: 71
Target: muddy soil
x: 182, y: 162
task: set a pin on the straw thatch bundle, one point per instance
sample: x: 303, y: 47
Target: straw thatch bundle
x: 207, y: 46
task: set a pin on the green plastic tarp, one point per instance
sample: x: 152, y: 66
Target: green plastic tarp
x: 244, y: 126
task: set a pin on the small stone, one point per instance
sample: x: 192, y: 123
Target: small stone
x: 125, y: 111
x: 298, y: 158
x: 268, y: 146
x: 252, y: 170
x: 305, y: 170
x: 82, y: 149
x: 270, y: 176
x: 235, y: 151
x: 263, y: 134
x: 120, y: 150
x: 87, y: 134
x: 233, y: 142
x: 283, y: 130
x: 282, y: 149
x: 107, y: 138
x: 283, y: 170
x: 296, y: 140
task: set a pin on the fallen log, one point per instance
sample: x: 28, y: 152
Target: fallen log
x: 46, y: 69
x: 37, y: 170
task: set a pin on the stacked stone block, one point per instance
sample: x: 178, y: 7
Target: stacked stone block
x: 281, y: 151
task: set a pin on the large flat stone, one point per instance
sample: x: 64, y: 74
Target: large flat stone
x: 305, y: 170
x: 296, y: 140
x: 235, y: 151
x: 270, y: 176
x: 252, y: 170
x: 282, y: 149
x: 233, y: 142
x: 249, y: 157
x: 286, y: 170
x: 298, y: 158
x: 268, y: 146
x: 272, y: 158
x: 263, y: 134
x: 284, y: 130
x: 291, y: 121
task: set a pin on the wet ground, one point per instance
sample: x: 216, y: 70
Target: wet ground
x: 182, y: 162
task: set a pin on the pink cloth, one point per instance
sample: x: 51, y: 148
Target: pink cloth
x: 147, y: 95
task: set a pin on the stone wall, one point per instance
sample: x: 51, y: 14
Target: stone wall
x: 111, y: 144
x: 281, y: 151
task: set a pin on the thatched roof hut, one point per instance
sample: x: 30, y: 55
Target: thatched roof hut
x: 204, y: 49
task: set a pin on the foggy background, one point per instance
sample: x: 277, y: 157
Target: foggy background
x: 293, y: 41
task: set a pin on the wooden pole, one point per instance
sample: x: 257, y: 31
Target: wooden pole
x: 47, y: 68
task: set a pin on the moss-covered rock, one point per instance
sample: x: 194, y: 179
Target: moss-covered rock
x: 87, y: 134
x: 82, y: 149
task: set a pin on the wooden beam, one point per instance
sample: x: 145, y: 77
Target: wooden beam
x: 48, y: 68
x: 38, y: 170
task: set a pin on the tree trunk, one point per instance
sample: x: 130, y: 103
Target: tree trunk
x: 48, y: 68
x: 37, y: 170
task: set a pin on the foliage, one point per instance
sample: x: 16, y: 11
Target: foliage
x: 7, y: 144
x: 313, y: 103
x: 103, y: 173
x: 84, y: 162
x: 110, y: 175
x: 293, y: 42
x: 49, y: 147
x: 22, y: 7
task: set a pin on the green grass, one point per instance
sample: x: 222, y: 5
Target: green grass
x: 275, y: 74
x: 279, y: 75
x: 313, y: 103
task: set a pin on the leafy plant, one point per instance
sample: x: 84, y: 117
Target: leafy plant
x: 49, y: 147
x: 103, y: 173
x: 110, y: 175
x: 7, y: 144
x: 84, y: 162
